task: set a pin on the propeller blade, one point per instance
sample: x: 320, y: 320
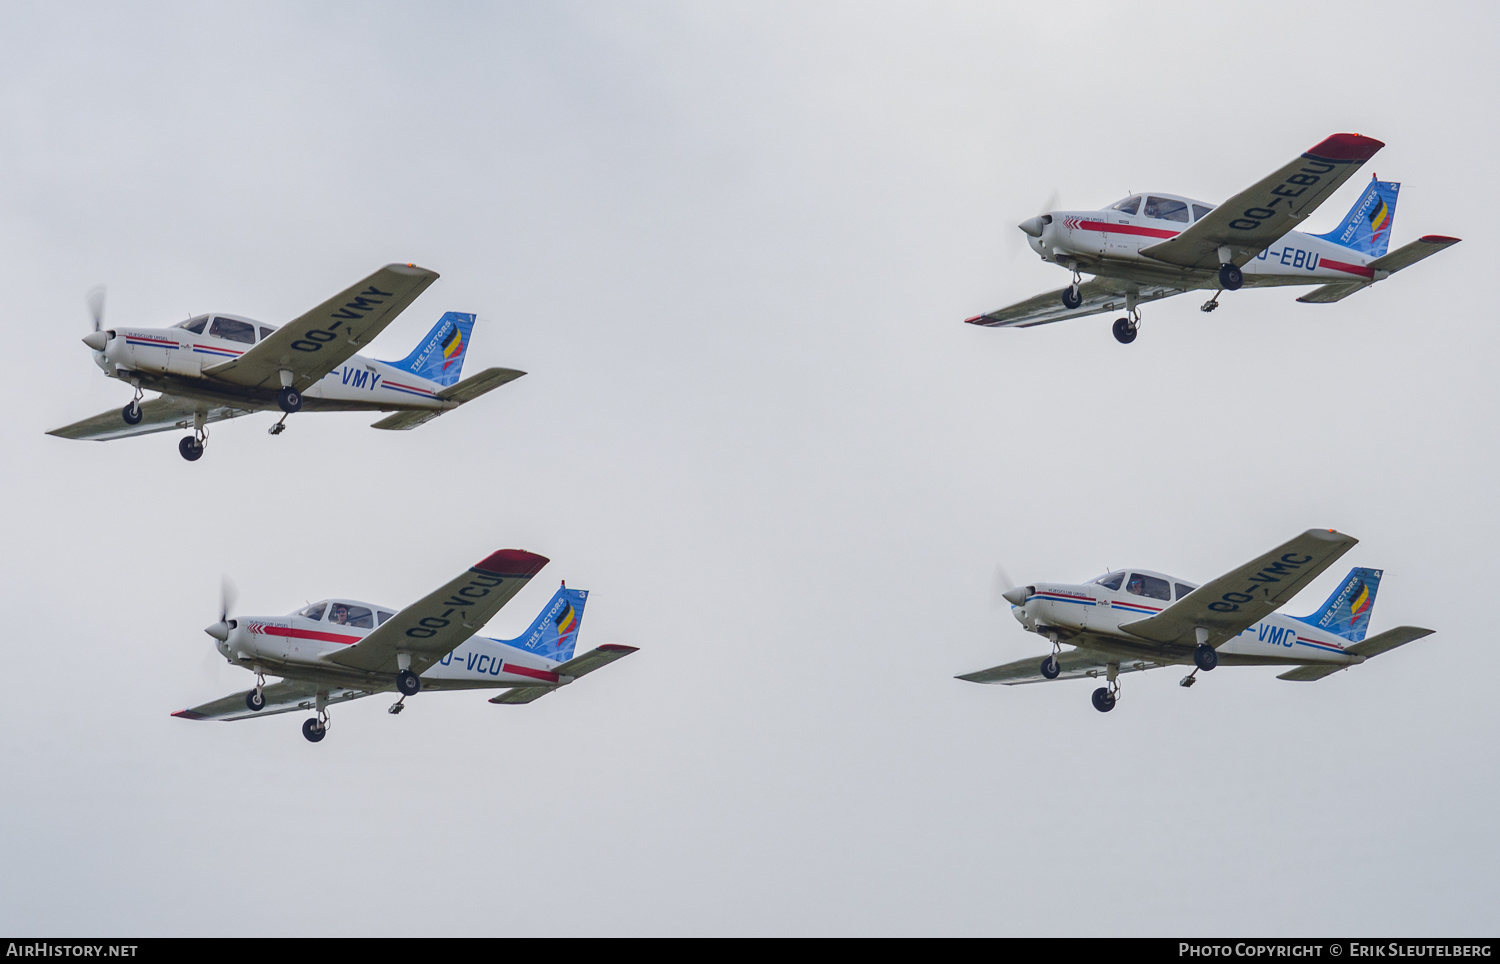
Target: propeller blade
x: 227, y: 596
x: 95, y: 301
x: 1002, y: 584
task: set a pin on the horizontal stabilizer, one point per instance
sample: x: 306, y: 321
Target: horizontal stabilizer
x: 1403, y: 257
x: 467, y: 390
x: 1374, y: 646
x: 572, y: 669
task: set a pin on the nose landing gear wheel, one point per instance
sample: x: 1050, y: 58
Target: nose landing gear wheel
x: 132, y: 413
x: 314, y: 730
x: 408, y: 683
x: 290, y: 400
x: 1072, y: 297
x: 191, y: 449
x: 1050, y: 669
x: 255, y: 700
x: 1104, y: 700
x: 1125, y: 332
x: 1230, y: 277
x: 1205, y: 658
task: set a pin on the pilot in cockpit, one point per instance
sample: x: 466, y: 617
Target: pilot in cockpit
x: 1137, y: 585
x: 340, y: 614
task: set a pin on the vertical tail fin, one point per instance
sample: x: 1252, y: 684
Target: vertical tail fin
x: 440, y: 356
x: 555, y: 631
x: 1347, y: 611
x: 1367, y: 226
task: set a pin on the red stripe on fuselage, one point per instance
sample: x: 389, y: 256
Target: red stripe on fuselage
x: 309, y: 634
x: 1358, y: 269
x: 1126, y: 229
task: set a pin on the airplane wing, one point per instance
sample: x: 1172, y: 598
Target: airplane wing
x: 1237, y: 600
x: 1263, y: 213
x: 1403, y: 257
x: 434, y: 625
x: 320, y: 340
x: 1072, y: 665
x: 283, y: 697
x: 1374, y: 646
x: 467, y: 390
x: 158, y: 415
x: 571, y: 670
x: 1099, y: 295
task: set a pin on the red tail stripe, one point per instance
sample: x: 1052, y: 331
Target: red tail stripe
x: 527, y: 671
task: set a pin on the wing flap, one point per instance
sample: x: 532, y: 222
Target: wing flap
x: 283, y: 697
x: 315, y: 343
x: 1233, y: 602
x: 158, y: 415
x: 465, y: 391
x: 438, y: 622
x: 1263, y: 213
x: 1099, y: 295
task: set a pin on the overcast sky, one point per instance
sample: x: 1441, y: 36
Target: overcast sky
x: 733, y: 245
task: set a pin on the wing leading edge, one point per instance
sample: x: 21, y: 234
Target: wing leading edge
x: 1099, y: 295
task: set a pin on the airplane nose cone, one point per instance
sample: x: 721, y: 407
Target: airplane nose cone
x: 1017, y: 596
x: 220, y: 630
x: 96, y: 340
x: 1033, y: 226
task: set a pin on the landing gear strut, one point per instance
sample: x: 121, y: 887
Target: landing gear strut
x: 191, y: 447
x: 317, y: 727
x: 132, y: 413
x: 256, y: 698
x: 1072, y: 297
x: 1105, y: 697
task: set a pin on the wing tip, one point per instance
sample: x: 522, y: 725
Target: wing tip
x: 1429, y: 238
x: 512, y: 562
x: 1346, y: 147
x: 190, y: 715
x: 618, y: 648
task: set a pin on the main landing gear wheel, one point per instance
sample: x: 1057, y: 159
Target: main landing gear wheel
x: 1050, y: 669
x: 1205, y: 658
x: 1072, y: 297
x: 1125, y: 331
x: 1104, y: 700
x: 408, y: 683
x: 1230, y: 277
x: 132, y: 413
x: 191, y: 449
x: 289, y: 399
x: 314, y: 730
x: 255, y: 700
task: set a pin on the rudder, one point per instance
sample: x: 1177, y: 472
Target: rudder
x: 1367, y: 226
x: 439, y: 357
x: 1347, y: 611
x: 554, y: 633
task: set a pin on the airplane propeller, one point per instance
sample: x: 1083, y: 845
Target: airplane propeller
x: 1032, y: 226
x: 1006, y: 591
x: 221, y: 629
x: 97, y: 338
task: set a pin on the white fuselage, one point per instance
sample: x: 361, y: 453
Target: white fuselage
x: 1069, y: 612
x: 173, y: 360
x: 297, y: 647
x: 1108, y: 242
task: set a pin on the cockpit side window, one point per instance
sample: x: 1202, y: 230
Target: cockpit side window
x: 1166, y: 209
x: 1183, y: 590
x: 315, y: 611
x: 381, y: 616
x: 343, y: 614
x: 1128, y: 206
x: 1148, y: 586
x: 265, y: 332
x: 194, y: 325
x: 232, y: 330
x: 1111, y: 581
x: 1200, y: 211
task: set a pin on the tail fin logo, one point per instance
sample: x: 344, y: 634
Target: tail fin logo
x: 453, y: 346
x: 565, y: 620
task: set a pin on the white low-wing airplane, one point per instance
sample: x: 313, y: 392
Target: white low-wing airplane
x: 341, y: 649
x: 1135, y: 619
x: 213, y: 367
x: 1153, y: 245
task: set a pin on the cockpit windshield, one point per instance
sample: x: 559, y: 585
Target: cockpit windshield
x: 1129, y: 206
x: 1111, y: 580
x: 315, y: 611
x: 194, y: 325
